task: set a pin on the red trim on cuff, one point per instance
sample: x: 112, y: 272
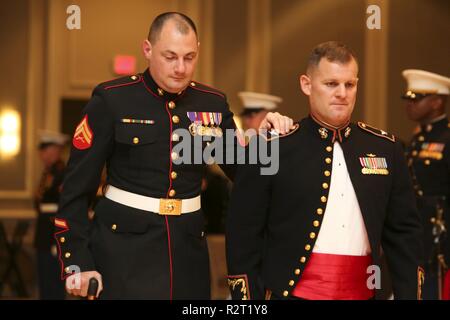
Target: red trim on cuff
x: 61, y: 262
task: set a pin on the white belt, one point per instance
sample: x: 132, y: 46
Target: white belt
x: 48, y: 207
x: 173, y: 207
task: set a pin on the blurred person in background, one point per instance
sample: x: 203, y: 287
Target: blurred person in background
x: 46, y: 200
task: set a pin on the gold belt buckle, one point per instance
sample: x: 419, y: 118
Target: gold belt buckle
x: 169, y: 207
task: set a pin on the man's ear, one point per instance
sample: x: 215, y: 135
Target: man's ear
x: 305, y: 84
x: 436, y: 102
x: 147, y: 49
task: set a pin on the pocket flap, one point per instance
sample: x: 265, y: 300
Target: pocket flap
x: 123, y: 222
x: 135, y: 134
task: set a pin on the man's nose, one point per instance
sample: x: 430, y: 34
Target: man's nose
x: 180, y: 66
x: 341, y: 91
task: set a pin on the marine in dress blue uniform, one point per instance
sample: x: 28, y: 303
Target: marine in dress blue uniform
x: 147, y: 239
x: 314, y: 230
x: 46, y: 204
x: 428, y: 156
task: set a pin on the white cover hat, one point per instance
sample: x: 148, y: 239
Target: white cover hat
x: 424, y: 82
x: 47, y: 137
x: 253, y: 101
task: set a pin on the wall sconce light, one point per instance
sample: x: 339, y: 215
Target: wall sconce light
x: 9, y: 133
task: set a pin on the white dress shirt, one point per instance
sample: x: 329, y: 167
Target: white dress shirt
x: 343, y: 230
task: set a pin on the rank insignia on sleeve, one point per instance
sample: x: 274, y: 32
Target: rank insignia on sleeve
x: 372, y: 165
x: 82, y: 139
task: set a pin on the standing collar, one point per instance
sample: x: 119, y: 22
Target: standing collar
x: 438, y: 122
x: 327, y: 131
x: 439, y: 118
x: 156, y: 90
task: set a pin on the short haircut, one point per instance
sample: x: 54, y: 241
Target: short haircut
x: 183, y: 23
x: 333, y: 51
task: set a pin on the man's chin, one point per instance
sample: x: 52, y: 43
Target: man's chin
x: 340, y: 120
x: 175, y: 88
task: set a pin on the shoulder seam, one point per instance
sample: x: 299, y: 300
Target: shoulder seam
x: 216, y: 92
x: 139, y: 79
x: 370, y: 129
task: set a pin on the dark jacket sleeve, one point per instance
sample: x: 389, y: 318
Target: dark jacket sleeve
x: 246, y: 220
x: 230, y: 145
x: 402, y: 234
x: 446, y: 213
x: 80, y: 184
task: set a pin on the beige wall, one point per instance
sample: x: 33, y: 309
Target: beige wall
x: 80, y: 59
x: 245, y: 45
x: 419, y: 39
x: 298, y: 26
x: 13, y: 83
x: 14, y: 32
x: 230, y: 48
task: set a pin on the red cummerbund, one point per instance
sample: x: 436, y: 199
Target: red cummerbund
x: 335, y: 277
